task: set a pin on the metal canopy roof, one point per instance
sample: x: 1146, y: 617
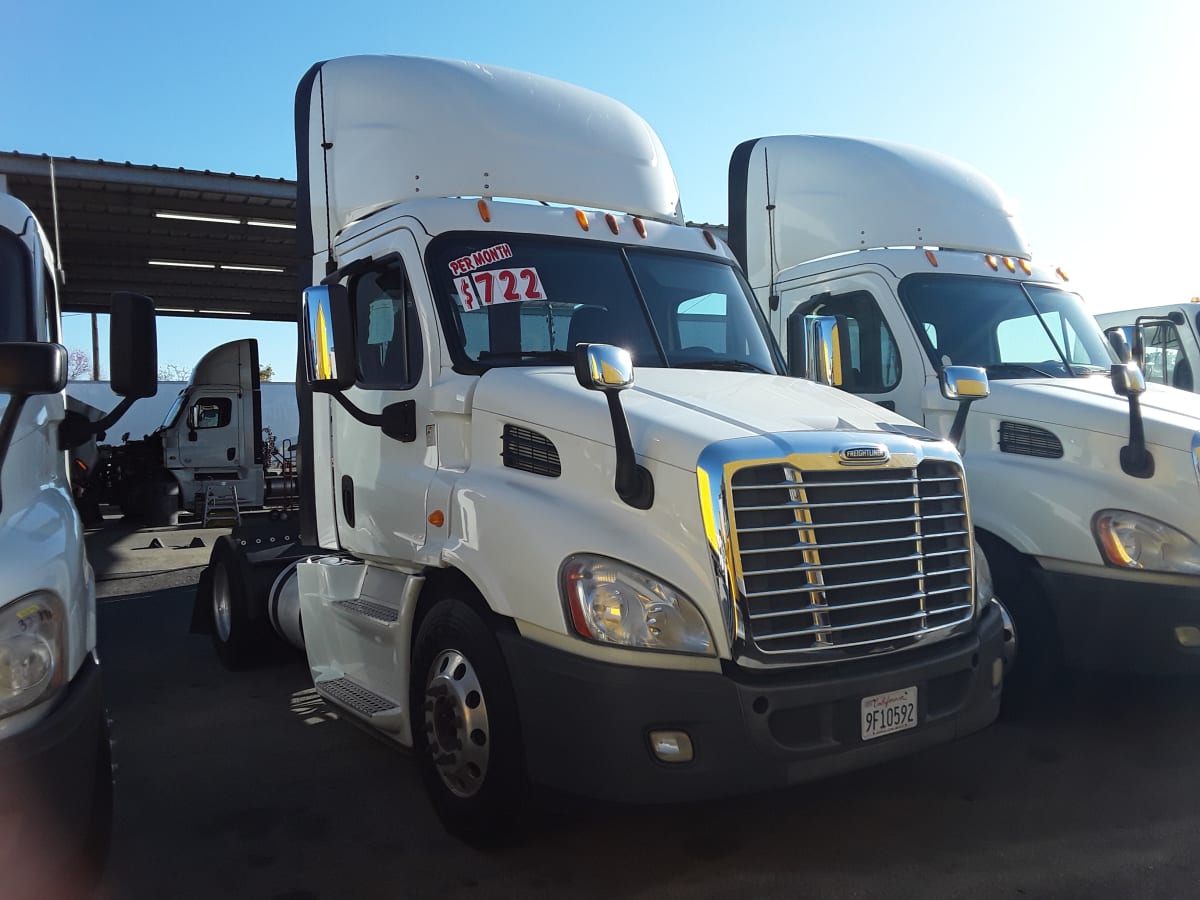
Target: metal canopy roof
x: 111, y: 227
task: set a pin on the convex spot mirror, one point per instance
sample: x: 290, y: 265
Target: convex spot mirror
x: 1128, y: 380
x: 328, y: 338
x: 964, y: 383
x: 29, y: 369
x: 603, y: 367
x: 133, y: 346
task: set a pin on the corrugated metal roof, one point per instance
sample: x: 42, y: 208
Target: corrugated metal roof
x: 110, y: 226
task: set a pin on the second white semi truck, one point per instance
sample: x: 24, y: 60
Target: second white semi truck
x: 56, y: 786
x: 566, y: 518
x: 1085, y: 491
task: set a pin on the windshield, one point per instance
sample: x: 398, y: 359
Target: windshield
x: 15, y: 322
x: 513, y: 299
x: 173, y: 412
x: 1012, y: 329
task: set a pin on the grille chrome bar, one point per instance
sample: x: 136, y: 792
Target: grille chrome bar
x: 855, y: 562
x: 873, y: 624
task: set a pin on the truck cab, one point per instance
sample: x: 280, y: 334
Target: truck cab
x: 1170, y: 341
x: 55, y: 763
x: 212, y: 432
x: 927, y: 268
x: 566, y: 518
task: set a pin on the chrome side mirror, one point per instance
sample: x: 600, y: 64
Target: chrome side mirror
x: 964, y: 383
x: 328, y: 338
x: 603, y: 367
x: 1128, y: 379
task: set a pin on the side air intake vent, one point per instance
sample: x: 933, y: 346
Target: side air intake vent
x: 530, y: 452
x: 1029, y: 440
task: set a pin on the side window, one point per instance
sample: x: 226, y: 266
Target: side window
x: 874, y: 356
x: 387, y: 331
x: 211, y: 412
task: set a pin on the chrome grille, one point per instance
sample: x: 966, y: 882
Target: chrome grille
x: 844, y: 563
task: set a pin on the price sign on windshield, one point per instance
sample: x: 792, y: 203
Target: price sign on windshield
x: 491, y: 286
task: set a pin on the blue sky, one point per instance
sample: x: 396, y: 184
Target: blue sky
x: 1083, y: 112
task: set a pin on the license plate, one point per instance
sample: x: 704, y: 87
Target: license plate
x: 888, y: 713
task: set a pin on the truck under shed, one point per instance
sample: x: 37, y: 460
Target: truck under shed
x: 199, y: 243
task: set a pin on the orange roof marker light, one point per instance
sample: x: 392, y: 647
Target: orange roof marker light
x: 932, y: 257
x: 1062, y: 274
x: 640, y: 226
x: 484, y: 212
x: 993, y: 262
x: 437, y: 518
x: 612, y: 223
x: 1009, y: 264
x: 712, y: 241
x: 582, y: 219
x: 1025, y: 266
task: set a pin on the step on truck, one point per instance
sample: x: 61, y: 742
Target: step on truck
x: 1083, y: 482
x: 566, y: 519
x: 55, y: 761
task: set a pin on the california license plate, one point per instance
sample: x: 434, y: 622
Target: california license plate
x: 888, y: 713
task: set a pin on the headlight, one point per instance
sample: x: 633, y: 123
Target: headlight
x: 1132, y: 541
x: 31, y: 651
x: 984, y: 589
x: 611, y: 603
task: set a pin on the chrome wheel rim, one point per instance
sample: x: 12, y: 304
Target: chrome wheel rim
x: 456, y: 723
x: 222, y: 604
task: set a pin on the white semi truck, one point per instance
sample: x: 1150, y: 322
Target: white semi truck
x: 525, y: 565
x: 1170, y: 341
x: 1084, y: 490
x: 211, y: 433
x: 55, y: 769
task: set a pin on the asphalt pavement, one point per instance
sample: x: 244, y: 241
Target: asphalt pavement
x: 246, y: 785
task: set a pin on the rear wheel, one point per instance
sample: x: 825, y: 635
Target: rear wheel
x: 241, y: 641
x: 465, y: 726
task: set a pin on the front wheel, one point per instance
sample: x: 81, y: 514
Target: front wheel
x: 465, y: 727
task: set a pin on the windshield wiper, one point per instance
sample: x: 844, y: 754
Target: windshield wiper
x: 559, y: 356
x: 1014, y: 368
x: 724, y: 365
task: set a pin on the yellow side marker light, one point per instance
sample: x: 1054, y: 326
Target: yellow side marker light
x: 1025, y: 266
x: 582, y: 219
x: 1009, y: 264
x: 437, y: 518
x: 993, y: 262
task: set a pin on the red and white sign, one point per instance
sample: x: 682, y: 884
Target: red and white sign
x: 493, y: 286
x: 480, y: 258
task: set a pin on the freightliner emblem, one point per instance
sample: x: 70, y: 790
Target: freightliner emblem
x: 872, y: 455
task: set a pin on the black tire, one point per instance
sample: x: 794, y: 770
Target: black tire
x: 241, y: 640
x: 1036, y: 676
x: 471, y: 757
x: 100, y: 821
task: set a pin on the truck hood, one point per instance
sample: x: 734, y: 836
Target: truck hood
x: 1171, y: 416
x: 675, y: 413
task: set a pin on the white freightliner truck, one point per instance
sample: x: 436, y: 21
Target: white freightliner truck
x: 55, y: 769
x: 524, y: 565
x: 1169, y: 340
x: 211, y: 433
x: 1084, y: 493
